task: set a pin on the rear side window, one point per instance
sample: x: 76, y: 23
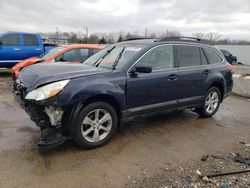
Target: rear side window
x: 159, y: 58
x: 30, y: 40
x: 188, y: 56
x: 212, y: 56
x: 11, y: 40
x: 93, y: 51
x: 74, y: 55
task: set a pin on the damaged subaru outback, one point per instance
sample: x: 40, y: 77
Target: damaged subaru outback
x: 132, y: 79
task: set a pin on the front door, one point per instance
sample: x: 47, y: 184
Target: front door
x: 147, y: 92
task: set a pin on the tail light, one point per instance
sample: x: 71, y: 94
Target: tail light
x: 230, y: 68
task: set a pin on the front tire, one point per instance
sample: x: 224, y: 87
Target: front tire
x: 211, y: 103
x: 94, y: 125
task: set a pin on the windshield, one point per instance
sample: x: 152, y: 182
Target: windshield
x: 50, y: 53
x: 114, y: 56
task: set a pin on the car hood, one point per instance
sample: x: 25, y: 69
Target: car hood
x: 43, y: 73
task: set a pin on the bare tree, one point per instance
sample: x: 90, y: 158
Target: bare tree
x: 93, y: 39
x: 173, y: 33
x: 213, y: 36
x: 199, y: 35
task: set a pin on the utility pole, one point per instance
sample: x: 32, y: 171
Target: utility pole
x: 146, y: 32
x: 57, y: 31
x: 87, y: 31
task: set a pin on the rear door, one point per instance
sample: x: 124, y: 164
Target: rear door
x: 194, y: 71
x: 10, y: 50
x: 31, y: 46
x: 148, y: 92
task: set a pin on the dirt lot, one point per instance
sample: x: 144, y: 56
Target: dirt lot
x: 164, y: 151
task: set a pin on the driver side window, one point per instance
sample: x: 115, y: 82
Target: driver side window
x: 159, y: 58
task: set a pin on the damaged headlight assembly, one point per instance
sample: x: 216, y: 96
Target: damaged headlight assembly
x: 47, y: 91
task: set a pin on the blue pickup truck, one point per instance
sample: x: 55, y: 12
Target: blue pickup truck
x: 17, y: 46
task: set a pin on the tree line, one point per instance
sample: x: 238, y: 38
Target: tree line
x: 112, y: 37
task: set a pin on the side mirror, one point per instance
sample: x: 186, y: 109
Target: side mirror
x: 1, y: 42
x: 143, y: 68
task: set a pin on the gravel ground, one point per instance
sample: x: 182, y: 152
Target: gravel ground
x: 189, y: 174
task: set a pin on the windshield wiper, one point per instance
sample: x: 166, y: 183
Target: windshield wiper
x: 118, y: 58
x: 98, y: 61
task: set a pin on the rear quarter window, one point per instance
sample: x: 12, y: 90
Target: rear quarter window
x: 212, y: 56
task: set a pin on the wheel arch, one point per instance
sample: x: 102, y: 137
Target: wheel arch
x: 220, y: 86
x: 105, y: 98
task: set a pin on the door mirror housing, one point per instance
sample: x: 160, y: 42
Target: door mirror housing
x: 143, y: 68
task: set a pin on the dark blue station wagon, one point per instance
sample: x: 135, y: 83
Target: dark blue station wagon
x: 127, y: 80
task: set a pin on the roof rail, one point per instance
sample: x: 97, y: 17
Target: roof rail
x: 185, y: 39
x: 137, y: 38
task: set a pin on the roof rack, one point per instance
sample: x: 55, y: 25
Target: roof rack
x: 184, y: 39
x: 137, y: 38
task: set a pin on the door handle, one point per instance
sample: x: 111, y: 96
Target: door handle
x: 17, y: 49
x: 172, y: 77
x: 38, y: 49
x: 206, y: 72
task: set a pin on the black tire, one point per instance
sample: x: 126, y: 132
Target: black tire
x: 202, y: 111
x: 77, y: 121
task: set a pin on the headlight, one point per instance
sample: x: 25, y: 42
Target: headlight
x: 47, y: 91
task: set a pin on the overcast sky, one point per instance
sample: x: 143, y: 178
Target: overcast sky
x: 231, y: 18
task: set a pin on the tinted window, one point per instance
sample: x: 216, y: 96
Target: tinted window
x: 51, y: 52
x: 203, y: 57
x: 159, y: 58
x: 74, y: 55
x: 188, y: 56
x: 30, y: 40
x: 11, y: 40
x: 226, y: 53
x: 93, y: 51
x: 212, y: 56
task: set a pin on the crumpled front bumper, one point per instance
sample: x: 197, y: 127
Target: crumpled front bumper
x: 52, y: 131
x: 35, y: 112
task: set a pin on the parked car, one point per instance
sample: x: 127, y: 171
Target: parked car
x: 17, y: 46
x: 132, y: 79
x: 69, y: 53
x: 229, y: 57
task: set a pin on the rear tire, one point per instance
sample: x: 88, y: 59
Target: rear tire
x: 94, y: 125
x: 211, y: 103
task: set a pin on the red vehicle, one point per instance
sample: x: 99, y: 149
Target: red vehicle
x: 69, y: 53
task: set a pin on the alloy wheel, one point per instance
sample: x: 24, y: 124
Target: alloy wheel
x: 96, y: 125
x: 212, y: 102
